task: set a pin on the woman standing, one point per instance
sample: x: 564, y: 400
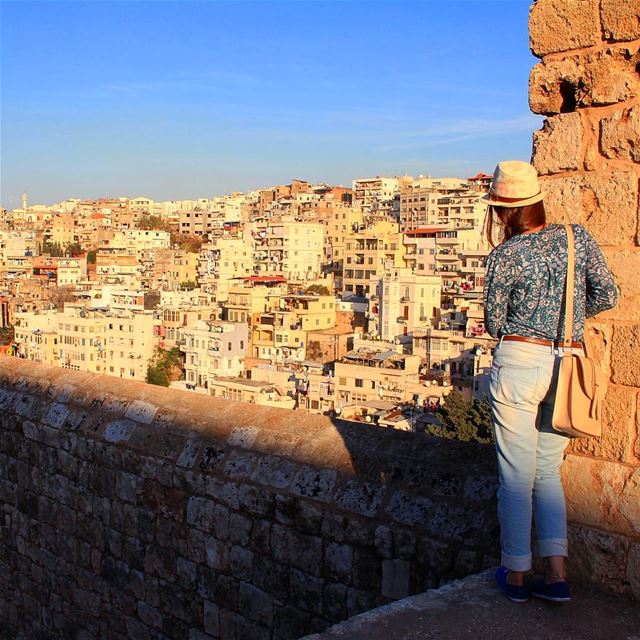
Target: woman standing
x: 524, y: 308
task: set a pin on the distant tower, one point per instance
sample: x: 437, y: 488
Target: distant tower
x: 24, y: 201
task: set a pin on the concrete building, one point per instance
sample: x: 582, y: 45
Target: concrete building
x: 368, y: 253
x: 407, y: 301
x: 366, y: 374
x: 212, y: 350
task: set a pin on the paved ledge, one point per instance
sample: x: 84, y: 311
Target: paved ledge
x: 474, y: 608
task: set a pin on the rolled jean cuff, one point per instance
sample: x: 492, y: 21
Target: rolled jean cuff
x: 516, y: 563
x: 553, y: 547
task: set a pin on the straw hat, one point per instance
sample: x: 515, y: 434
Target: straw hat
x: 515, y: 184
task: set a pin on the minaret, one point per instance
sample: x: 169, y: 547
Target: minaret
x: 24, y: 201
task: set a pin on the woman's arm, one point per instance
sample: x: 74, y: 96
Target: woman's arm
x: 602, y: 293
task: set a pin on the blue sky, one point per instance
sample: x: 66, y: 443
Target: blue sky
x: 195, y: 99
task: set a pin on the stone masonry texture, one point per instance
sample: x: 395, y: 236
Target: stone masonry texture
x: 588, y: 153
x: 134, y: 511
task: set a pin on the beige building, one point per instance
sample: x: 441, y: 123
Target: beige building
x: 281, y: 334
x: 365, y: 375
x: 213, y: 349
x: 368, y: 253
x: 407, y: 301
x: 265, y: 394
x: 36, y: 336
x: 287, y: 248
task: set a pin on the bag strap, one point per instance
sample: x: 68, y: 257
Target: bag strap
x: 567, y: 337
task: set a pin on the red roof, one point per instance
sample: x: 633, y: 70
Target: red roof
x: 480, y: 176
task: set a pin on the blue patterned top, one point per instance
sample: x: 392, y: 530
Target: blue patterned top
x: 525, y: 278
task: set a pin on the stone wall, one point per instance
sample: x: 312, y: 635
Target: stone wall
x: 134, y: 511
x: 588, y: 152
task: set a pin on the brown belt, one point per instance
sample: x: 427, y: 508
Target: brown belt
x: 541, y: 341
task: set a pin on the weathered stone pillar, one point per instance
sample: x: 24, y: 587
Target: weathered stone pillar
x: 588, y: 152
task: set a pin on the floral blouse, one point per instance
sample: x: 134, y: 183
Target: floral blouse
x: 525, y: 279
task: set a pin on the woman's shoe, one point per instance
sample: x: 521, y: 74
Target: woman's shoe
x: 554, y: 591
x: 516, y: 593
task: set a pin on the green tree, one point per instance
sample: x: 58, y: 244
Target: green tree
x: 320, y: 289
x: 52, y: 248
x: 7, y: 334
x: 73, y: 249
x: 188, y: 285
x: 187, y: 242
x: 152, y: 223
x: 466, y: 420
x: 165, y: 367
x: 157, y: 376
x: 91, y: 257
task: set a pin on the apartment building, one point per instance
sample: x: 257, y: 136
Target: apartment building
x: 222, y: 261
x: 61, y: 230
x: 60, y: 271
x: 36, y: 336
x: 368, y: 253
x: 16, y: 250
x: 420, y: 248
x: 287, y: 248
x: 365, y: 375
x: 257, y: 392
x: 168, y: 269
x: 281, y: 334
x: 213, y: 349
x: 407, y: 300
x: 371, y: 194
x: 342, y: 221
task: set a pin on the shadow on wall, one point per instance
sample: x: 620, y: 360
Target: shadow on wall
x: 151, y: 510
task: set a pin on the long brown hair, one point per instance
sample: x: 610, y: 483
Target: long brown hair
x: 515, y: 220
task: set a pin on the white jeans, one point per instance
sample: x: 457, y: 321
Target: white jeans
x: 530, y: 452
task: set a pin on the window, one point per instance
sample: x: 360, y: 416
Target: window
x: 342, y: 381
x: 359, y: 382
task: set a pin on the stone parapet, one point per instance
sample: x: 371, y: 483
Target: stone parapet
x: 588, y: 154
x: 134, y: 511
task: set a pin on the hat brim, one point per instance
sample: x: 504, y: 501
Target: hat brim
x: 487, y: 199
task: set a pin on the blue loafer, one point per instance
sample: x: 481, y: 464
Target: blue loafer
x: 554, y: 592
x: 514, y: 592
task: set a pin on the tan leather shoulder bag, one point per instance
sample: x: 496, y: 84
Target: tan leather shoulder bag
x: 582, y: 384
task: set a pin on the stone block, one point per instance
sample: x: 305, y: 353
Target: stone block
x: 239, y: 529
x: 255, y: 604
x: 620, y: 19
x: 211, y: 618
x: 598, y: 557
x: 271, y: 576
x: 296, y: 549
x: 620, y: 135
x: 308, y: 517
x: 359, y: 601
x: 240, y: 465
x: 625, y: 355
x: 314, y: 483
x: 597, y: 78
x: 119, y: 430
x: 241, y: 562
x: 257, y: 501
x: 274, y: 471
x: 261, y: 536
x: 409, y: 509
x: 128, y: 487
x: 366, y: 569
x: 383, y: 541
x: 360, y: 497
x: 599, y: 200
x: 140, y: 411
x: 217, y: 553
x: 618, y: 428
x: 338, y: 561
x: 200, y: 513
x: 558, y: 25
x: 335, y: 602
x: 395, y: 578
x: 56, y: 415
x: 187, y: 572
x: 602, y: 494
x: 290, y: 623
x: 150, y: 615
x: 557, y: 146
x: 306, y: 591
